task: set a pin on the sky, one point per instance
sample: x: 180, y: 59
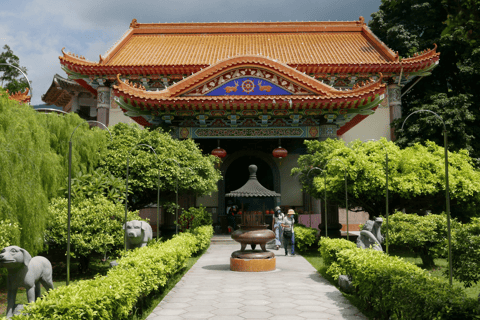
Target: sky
x: 37, y: 30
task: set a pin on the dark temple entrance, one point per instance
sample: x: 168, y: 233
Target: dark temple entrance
x: 237, y: 175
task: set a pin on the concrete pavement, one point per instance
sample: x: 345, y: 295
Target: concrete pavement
x: 294, y: 291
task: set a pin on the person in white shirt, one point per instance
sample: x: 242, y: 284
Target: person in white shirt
x: 288, y: 232
x: 277, y: 226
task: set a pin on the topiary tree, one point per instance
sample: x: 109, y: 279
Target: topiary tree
x: 194, y: 172
x: 425, y: 236
x: 96, y: 226
x: 466, y: 253
x: 416, y: 177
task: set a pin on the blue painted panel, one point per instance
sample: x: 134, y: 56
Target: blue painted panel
x: 248, y: 86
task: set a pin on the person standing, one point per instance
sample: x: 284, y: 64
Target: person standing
x: 288, y: 232
x: 231, y: 217
x: 277, y: 226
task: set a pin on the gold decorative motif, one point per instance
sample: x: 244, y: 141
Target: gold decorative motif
x: 232, y: 89
x: 264, y: 88
x: 248, y: 86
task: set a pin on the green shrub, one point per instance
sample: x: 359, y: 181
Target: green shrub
x: 204, y: 234
x: 96, y: 226
x: 114, y: 296
x: 329, y: 248
x: 466, y: 253
x: 194, y: 218
x: 304, y: 237
x: 395, y: 289
x: 425, y: 236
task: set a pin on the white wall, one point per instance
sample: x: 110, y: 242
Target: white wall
x: 291, y: 193
x: 374, y: 126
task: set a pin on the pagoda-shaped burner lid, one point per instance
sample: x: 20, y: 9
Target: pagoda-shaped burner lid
x: 252, y: 188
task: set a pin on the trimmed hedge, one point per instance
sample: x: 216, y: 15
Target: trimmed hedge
x: 329, y: 249
x: 304, y: 237
x: 114, y: 296
x: 393, y: 288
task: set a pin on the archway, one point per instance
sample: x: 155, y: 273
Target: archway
x: 235, y: 173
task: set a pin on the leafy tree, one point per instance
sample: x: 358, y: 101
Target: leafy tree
x: 98, y: 182
x: 33, y: 164
x: 411, y: 26
x: 96, y: 226
x: 424, y: 236
x: 416, y: 177
x: 195, y: 172
x: 466, y: 253
x: 12, y: 79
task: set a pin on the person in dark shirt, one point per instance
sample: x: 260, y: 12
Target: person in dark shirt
x: 232, y: 211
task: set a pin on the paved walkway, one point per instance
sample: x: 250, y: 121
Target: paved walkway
x: 293, y: 291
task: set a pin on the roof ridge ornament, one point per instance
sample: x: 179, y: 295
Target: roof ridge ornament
x: 134, y: 24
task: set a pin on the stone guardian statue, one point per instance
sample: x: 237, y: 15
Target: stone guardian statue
x: 24, y: 271
x: 370, y: 235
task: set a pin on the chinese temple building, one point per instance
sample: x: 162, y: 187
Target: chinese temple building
x: 19, y: 96
x: 249, y: 92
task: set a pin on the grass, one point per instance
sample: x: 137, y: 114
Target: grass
x: 315, y: 259
x: 100, y: 267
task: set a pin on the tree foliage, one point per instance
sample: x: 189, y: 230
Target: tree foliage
x: 195, y: 172
x: 411, y: 26
x: 425, y: 236
x: 33, y: 164
x: 98, y: 182
x: 96, y: 226
x: 11, y: 78
x: 466, y: 253
x: 416, y: 177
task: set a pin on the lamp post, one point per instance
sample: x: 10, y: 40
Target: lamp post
x: 70, y: 191
x: 28, y: 81
x: 126, y: 190
x: 447, y: 192
x: 386, y: 188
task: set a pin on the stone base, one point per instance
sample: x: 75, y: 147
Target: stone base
x: 253, y: 265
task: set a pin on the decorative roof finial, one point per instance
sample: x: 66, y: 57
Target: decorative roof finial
x: 134, y: 23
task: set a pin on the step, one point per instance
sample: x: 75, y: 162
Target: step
x: 222, y: 239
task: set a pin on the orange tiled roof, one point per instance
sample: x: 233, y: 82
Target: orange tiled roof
x: 183, y: 48
x: 292, y: 49
x: 19, y: 96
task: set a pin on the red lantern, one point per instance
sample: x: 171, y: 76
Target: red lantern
x: 280, y: 153
x: 219, y: 152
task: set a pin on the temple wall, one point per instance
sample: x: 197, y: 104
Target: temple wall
x: 374, y: 126
x: 291, y: 193
x: 116, y: 114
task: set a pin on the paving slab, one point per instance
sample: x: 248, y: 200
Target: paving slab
x: 295, y: 290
